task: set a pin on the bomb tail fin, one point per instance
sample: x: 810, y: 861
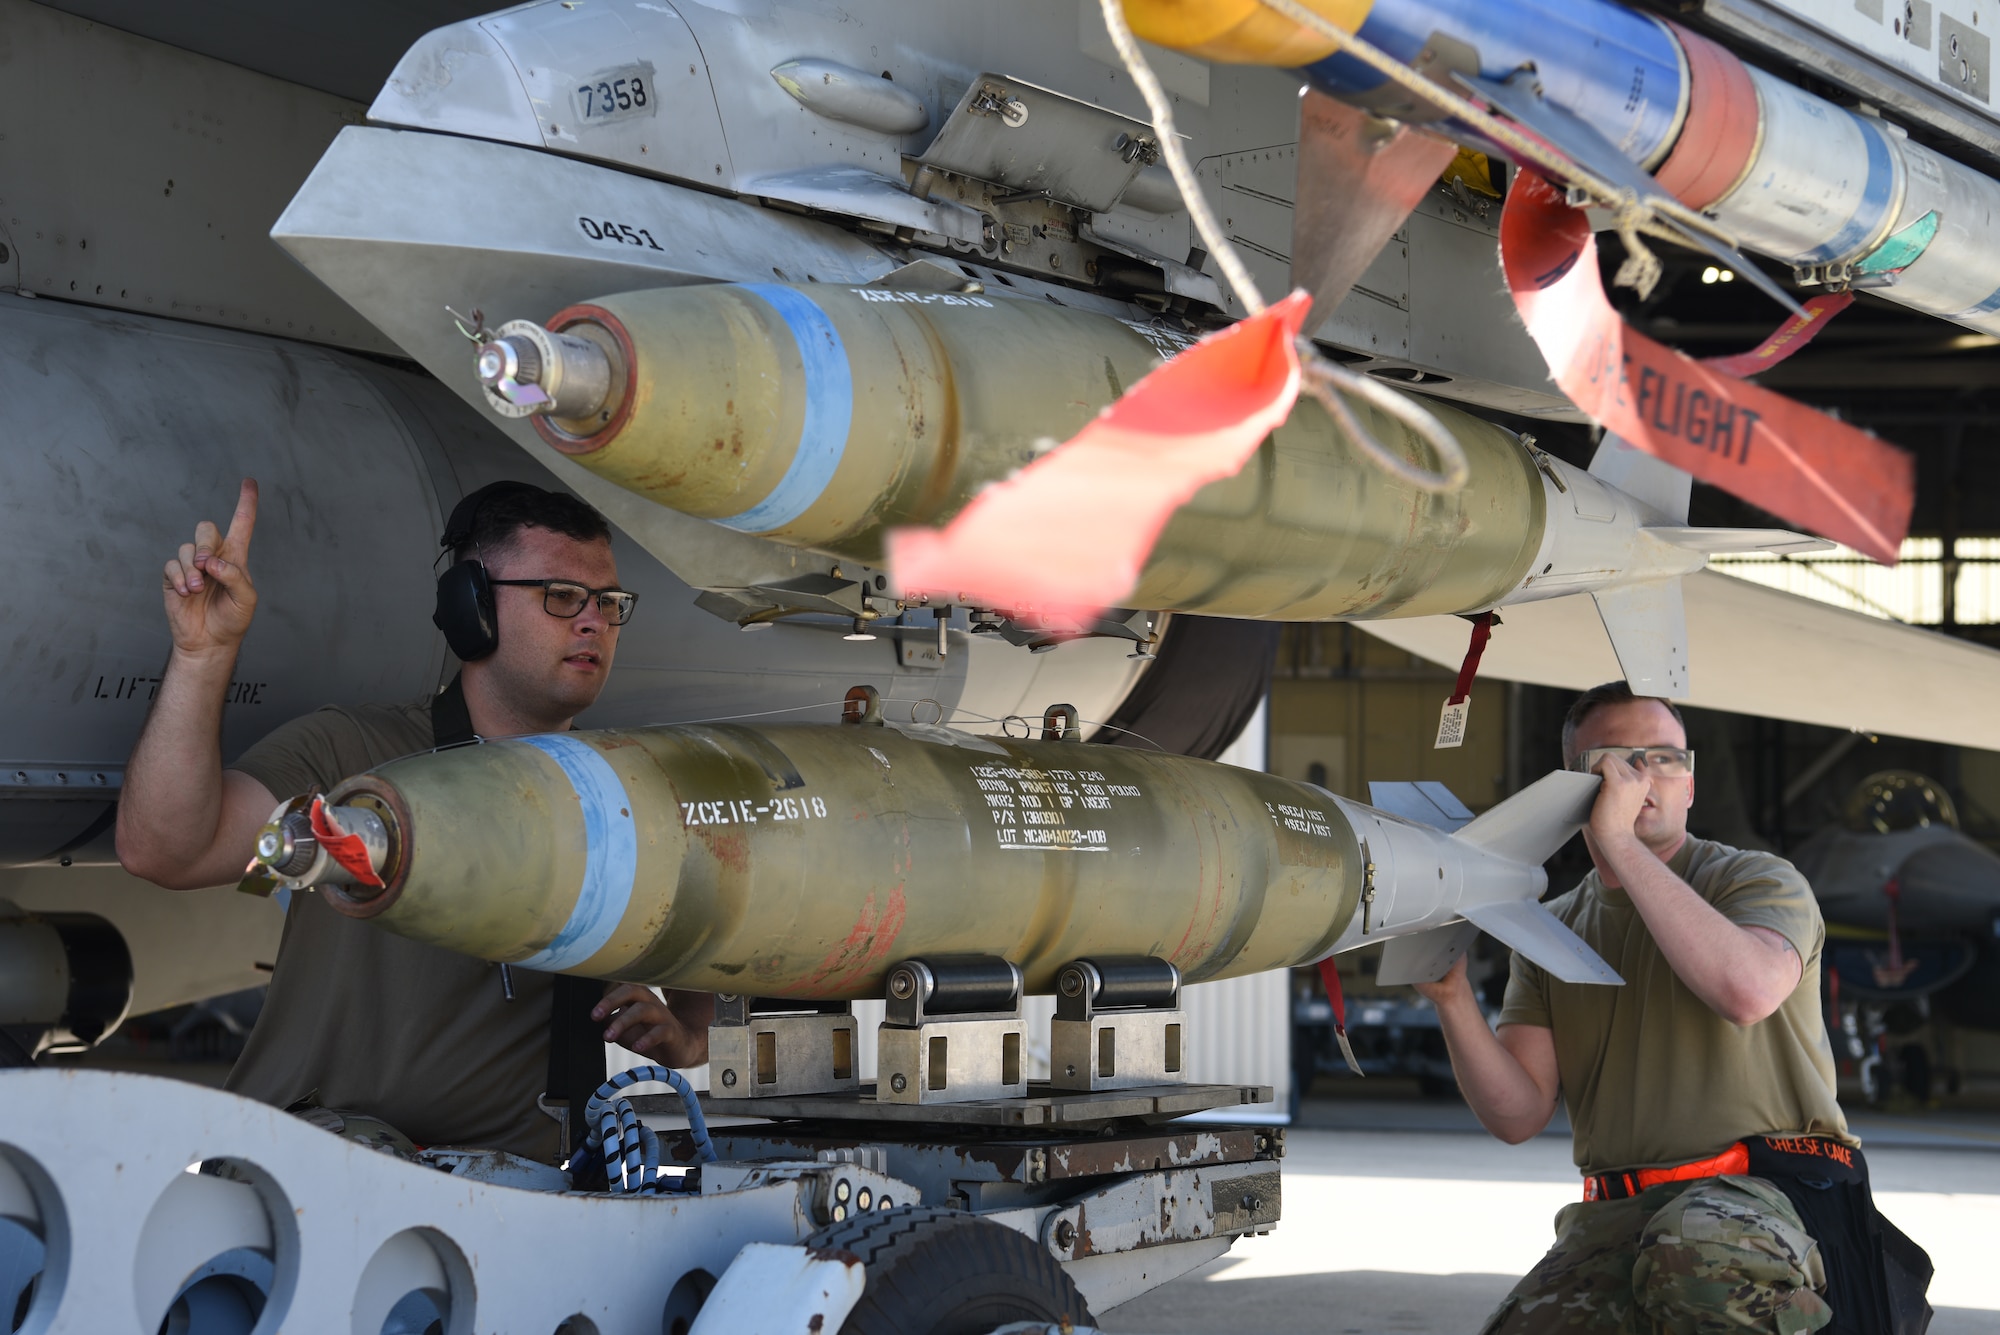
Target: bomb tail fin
x: 1532, y: 824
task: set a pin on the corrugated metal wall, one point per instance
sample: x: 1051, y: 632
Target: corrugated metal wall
x: 1239, y: 1032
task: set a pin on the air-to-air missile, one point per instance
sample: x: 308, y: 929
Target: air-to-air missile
x: 808, y: 861
x: 1843, y: 197
x: 820, y: 416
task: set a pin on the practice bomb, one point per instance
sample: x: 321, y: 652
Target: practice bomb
x: 807, y: 861
x: 820, y: 416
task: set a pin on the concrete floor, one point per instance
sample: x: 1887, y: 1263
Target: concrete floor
x: 1424, y: 1230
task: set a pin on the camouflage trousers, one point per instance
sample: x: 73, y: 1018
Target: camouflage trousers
x: 1712, y: 1255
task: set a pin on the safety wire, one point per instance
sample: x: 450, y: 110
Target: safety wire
x: 959, y: 715
x: 1326, y: 381
x: 1630, y: 214
x: 1006, y: 722
x: 963, y: 715
x: 627, y: 1147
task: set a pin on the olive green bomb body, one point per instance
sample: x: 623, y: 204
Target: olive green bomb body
x: 807, y: 861
x: 821, y: 416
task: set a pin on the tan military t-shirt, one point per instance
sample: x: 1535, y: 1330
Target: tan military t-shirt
x: 1650, y: 1074
x: 361, y: 1019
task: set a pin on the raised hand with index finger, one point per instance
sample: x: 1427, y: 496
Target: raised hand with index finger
x: 210, y: 599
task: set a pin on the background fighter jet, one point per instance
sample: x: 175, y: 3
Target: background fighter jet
x: 1913, y: 929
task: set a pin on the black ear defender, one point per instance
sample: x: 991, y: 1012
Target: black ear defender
x: 465, y: 611
x: 464, y: 591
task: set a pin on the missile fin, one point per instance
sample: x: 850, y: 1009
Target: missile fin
x: 1427, y: 802
x: 1542, y: 937
x: 924, y: 275
x: 1647, y: 623
x: 1424, y: 957
x: 1715, y: 541
x: 1532, y: 824
x: 1654, y: 483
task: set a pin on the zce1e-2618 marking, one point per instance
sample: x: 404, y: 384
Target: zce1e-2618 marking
x: 748, y: 813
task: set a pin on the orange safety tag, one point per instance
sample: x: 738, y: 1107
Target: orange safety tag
x: 1782, y: 456
x: 349, y: 850
x: 1068, y: 535
x: 1786, y: 339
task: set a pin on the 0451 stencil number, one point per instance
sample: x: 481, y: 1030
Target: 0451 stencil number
x: 617, y: 233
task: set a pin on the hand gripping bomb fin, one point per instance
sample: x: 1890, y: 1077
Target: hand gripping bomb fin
x: 1526, y: 829
x: 806, y: 862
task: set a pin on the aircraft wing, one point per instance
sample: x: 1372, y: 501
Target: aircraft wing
x: 1752, y: 650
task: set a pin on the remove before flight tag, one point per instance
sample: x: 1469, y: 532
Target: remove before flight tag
x: 1782, y: 456
x: 1049, y: 540
x: 1451, y: 722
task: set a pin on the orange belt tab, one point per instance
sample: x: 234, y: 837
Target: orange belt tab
x: 1732, y: 1162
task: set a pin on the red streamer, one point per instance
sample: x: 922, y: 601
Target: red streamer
x: 1782, y: 456
x: 1786, y: 339
x: 1069, y: 534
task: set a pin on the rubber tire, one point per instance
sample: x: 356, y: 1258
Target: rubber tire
x: 933, y: 1271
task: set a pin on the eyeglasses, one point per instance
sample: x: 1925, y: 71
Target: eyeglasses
x: 566, y: 598
x: 1666, y: 762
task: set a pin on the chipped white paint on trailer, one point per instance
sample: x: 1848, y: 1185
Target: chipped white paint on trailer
x: 343, y: 1238
x: 779, y: 1290
x: 348, y: 1231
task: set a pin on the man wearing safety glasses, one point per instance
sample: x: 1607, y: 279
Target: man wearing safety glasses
x: 1721, y: 1186
x: 374, y: 1036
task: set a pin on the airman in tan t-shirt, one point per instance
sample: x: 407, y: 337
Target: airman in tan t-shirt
x: 1714, y: 1037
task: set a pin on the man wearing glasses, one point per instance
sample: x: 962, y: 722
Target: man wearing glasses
x: 363, y: 1026
x: 1700, y: 1093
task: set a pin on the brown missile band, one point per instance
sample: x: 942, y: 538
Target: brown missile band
x: 365, y: 791
x: 562, y: 322
x: 1720, y: 136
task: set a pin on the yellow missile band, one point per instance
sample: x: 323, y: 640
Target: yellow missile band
x: 1474, y: 170
x: 1241, y: 32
